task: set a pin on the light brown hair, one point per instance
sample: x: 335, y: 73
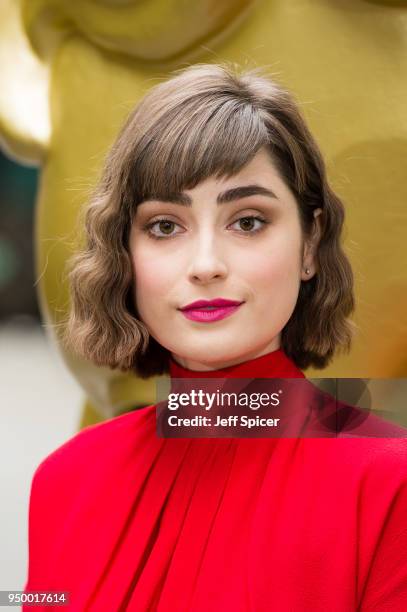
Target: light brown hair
x: 208, y: 120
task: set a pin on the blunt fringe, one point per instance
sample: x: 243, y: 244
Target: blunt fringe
x: 207, y: 120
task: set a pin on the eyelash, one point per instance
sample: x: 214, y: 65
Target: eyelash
x: 148, y: 227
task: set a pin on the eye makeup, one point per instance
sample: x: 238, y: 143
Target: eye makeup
x: 164, y: 223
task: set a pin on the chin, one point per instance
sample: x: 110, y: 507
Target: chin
x: 210, y: 355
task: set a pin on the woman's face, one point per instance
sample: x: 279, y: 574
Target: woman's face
x: 235, y: 239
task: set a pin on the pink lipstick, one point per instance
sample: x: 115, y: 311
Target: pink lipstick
x: 206, y: 311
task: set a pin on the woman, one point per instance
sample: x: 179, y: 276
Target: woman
x: 213, y: 250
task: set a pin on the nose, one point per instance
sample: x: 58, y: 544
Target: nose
x: 206, y: 261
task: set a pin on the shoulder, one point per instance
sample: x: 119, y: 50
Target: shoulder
x: 363, y: 460
x: 374, y: 468
x: 358, y: 441
x: 378, y: 446
x: 95, y: 446
x: 384, y: 456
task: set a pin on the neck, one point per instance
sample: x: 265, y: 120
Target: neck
x: 273, y: 364
x: 189, y: 364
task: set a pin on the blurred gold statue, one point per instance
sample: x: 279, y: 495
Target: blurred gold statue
x: 71, y: 72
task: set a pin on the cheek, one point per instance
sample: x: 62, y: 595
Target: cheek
x: 153, y: 277
x: 270, y: 267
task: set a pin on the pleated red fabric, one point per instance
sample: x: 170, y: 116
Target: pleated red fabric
x: 125, y: 520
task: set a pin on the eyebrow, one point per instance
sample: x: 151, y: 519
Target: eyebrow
x: 230, y: 195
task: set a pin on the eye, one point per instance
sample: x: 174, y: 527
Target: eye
x: 250, y: 224
x: 166, y: 228
x: 161, y: 228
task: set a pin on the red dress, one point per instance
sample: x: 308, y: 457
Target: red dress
x: 125, y: 520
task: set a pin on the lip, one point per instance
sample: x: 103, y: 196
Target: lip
x: 216, y: 303
x: 208, y: 311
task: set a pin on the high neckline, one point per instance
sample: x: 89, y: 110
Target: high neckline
x: 275, y: 364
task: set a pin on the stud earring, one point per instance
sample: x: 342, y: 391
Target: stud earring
x: 307, y: 270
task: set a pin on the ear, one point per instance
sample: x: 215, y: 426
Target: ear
x: 311, y: 247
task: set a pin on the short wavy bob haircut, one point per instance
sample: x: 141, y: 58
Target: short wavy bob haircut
x: 207, y: 120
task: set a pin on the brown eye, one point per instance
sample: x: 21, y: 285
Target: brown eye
x: 162, y: 228
x: 166, y: 227
x: 247, y: 223
x: 250, y: 224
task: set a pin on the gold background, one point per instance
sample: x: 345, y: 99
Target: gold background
x: 71, y: 72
